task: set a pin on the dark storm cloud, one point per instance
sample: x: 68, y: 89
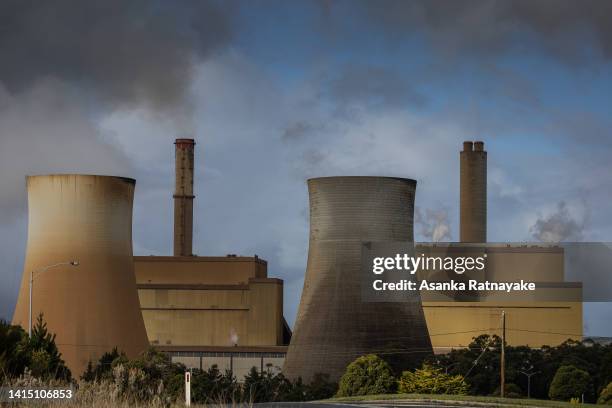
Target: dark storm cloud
x: 565, y: 27
x: 64, y: 64
x: 374, y: 86
x: 46, y: 130
x: 298, y: 130
x: 124, y: 52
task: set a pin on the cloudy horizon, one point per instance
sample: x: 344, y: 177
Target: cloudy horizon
x: 275, y: 93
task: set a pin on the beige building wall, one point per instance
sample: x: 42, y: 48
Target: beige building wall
x: 228, y: 270
x: 548, y: 316
x: 454, y: 324
x: 265, y: 317
x: 209, y: 301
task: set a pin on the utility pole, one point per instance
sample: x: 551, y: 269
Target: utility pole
x: 503, y: 356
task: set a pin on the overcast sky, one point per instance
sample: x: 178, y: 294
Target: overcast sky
x: 275, y: 92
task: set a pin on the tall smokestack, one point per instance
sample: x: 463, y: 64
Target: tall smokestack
x: 183, y: 197
x: 473, y: 195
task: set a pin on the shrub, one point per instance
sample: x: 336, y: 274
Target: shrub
x: 569, y: 382
x: 429, y: 380
x: 212, y: 386
x: 103, y: 367
x: 605, y: 398
x: 13, y: 350
x: 510, y: 391
x: 262, y: 386
x: 39, y: 353
x: 319, y: 388
x: 151, y: 377
x: 365, y: 376
x: 43, y: 350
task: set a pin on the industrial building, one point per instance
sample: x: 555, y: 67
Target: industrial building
x: 551, y: 316
x: 205, y: 310
x: 213, y: 310
x: 225, y: 310
x: 221, y: 310
x: 333, y: 323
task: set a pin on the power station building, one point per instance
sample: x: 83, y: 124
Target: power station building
x: 205, y: 310
x: 225, y: 310
x: 550, y: 316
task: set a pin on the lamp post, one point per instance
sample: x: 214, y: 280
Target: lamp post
x: 529, y: 374
x: 38, y: 272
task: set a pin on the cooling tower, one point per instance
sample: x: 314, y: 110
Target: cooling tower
x: 473, y: 193
x: 94, y: 306
x: 183, y: 197
x: 334, y: 326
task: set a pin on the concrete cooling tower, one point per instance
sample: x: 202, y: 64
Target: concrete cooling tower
x: 94, y: 306
x: 334, y: 326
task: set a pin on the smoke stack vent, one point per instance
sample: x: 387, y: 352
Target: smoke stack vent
x: 183, y: 197
x: 473, y: 193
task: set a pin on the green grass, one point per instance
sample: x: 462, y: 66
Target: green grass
x: 460, y: 399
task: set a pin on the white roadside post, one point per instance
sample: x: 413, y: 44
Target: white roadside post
x: 187, y: 388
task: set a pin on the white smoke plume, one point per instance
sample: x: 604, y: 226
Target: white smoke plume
x: 558, y: 226
x: 433, y: 224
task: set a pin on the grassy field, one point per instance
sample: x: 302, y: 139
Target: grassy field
x: 460, y: 399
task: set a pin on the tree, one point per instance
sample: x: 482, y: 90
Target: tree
x: 319, y: 388
x: 605, y: 398
x: 367, y: 375
x: 45, y: 360
x: 510, y: 391
x: 261, y: 387
x: 606, y: 369
x: 151, y: 375
x: 212, y: 386
x: 14, y: 357
x: 103, y: 368
x: 569, y: 382
x: 430, y: 380
x: 484, y: 376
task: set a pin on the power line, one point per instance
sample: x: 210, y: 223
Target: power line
x: 546, y: 332
x: 486, y: 347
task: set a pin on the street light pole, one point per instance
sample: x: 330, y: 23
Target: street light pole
x: 529, y: 375
x: 38, y: 272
